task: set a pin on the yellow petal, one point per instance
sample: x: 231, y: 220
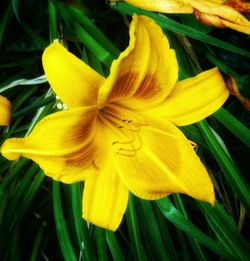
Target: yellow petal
x: 105, y: 198
x: 163, y: 6
x: 238, y: 27
x: 165, y: 163
x: 61, y: 143
x: 145, y: 73
x: 220, y: 14
x: 212, y: 12
x: 193, y: 99
x: 5, y: 108
x: 223, y: 11
x: 219, y: 1
x: 72, y: 80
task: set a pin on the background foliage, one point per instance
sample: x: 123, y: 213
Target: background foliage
x: 40, y: 219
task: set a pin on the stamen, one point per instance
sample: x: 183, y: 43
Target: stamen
x: 129, y: 130
x: 125, y: 142
x: 110, y: 116
x: 132, y: 153
x: 131, y: 149
x: 134, y: 144
x: 128, y: 124
x: 138, y: 124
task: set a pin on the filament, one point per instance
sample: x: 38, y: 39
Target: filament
x: 129, y: 131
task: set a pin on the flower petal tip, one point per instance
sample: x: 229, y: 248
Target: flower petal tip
x: 99, y: 222
x: 211, y: 199
x: 5, y: 111
x: 8, y: 149
x: 208, y: 196
x: 67, y: 75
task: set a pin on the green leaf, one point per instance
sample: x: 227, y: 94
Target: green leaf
x: 243, y: 84
x: 198, y: 250
x: 234, y: 125
x: 226, y: 231
x: 176, y: 27
x: 52, y: 20
x: 151, y: 232
x: 4, y: 21
x: 35, y: 249
x: 61, y: 226
x: 175, y: 217
x: 134, y: 232
x: 87, y: 39
x: 226, y: 163
x: 114, y: 246
x: 85, y: 242
x: 101, y: 244
x: 92, y: 29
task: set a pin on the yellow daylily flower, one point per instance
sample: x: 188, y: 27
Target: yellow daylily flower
x: 5, y: 108
x: 219, y: 13
x: 119, y: 133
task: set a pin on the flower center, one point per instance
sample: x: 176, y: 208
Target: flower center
x: 133, y: 143
x: 125, y: 127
